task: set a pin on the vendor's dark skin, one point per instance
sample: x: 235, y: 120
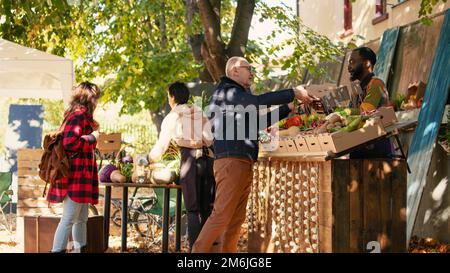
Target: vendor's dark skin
x: 357, y: 67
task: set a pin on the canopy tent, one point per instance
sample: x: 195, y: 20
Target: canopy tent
x: 30, y: 73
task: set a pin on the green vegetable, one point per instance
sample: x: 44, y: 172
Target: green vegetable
x: 352, y: 126
x: 351, y: 118
x: 127, y: 170
x: 282, y: 123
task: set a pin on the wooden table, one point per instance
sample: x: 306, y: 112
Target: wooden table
x: 124, y: 220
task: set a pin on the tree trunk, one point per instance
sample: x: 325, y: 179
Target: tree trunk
x: 158, y: 116
x: 196, y: 40
x: 213, y: 49
x: 241, y: 28
x: 162, y: 25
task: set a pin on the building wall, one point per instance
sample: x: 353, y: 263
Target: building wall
x: 327, y: 17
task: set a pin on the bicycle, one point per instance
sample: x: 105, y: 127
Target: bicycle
x: 141, y: 216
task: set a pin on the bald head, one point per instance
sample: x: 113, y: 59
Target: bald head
x: 239, y: 70
x: 233, y: 62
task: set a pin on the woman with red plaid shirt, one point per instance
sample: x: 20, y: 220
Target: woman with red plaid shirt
x: 80, y: 188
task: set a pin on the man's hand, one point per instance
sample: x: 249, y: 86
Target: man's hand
x: 291, y: 106
x: 302, y: 94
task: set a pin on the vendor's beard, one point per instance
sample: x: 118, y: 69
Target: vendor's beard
x: 356, y: 73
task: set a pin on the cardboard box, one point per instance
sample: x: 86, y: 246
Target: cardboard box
x: 313, y: 143
x: 387, y: 116
x: 301, y: 145
x: 340, y: 141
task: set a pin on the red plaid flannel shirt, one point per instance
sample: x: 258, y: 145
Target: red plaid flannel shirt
x: 82, y: 183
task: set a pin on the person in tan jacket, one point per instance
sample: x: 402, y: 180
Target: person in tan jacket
x: 188, y: 127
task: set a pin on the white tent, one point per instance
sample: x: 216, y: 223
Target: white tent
x: 30, y: 73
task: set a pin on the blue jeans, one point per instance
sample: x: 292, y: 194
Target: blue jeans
x: 75, y: 216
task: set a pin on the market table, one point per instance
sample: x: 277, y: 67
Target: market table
x: 320, y: 202
x: 124, y: 221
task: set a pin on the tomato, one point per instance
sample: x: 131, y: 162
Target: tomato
x: 293, y: 121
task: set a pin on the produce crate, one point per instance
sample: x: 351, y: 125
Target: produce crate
x: 300, y: 143
x: 295, y: 144
x: 109, y: 143
x: 313, y: 143
x: 387, y: 116
x: 287, y: 145
x: 340, y: 141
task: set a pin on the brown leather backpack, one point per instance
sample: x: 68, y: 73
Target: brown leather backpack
x: 55, y: 163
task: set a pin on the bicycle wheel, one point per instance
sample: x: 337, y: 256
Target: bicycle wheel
x: 92, y: 210
x: 116, y: 217
x: 147, y: 225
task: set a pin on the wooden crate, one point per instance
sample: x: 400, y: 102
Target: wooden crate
x: 313, y: 143
x: 387, y: 116
x: 109, y: 143
x: 341, y: 141
x: 283, y: 145
x: 350, y: 203
x: 300, y: 143
x: 40, y: 230
x: 30, y: 187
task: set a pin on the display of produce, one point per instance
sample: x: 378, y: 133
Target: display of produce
x: 335, y: 132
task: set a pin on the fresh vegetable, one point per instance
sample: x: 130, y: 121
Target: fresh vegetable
x: 127, y: 159
x: 292, y: 131
x: 163, y: 176
x: 293, y: 121
x: 105, y: 173
x: 118, y: 177
x: 127, y: 170
x: 282, y: 123
x: 355, y: 124
x: 334, y: 117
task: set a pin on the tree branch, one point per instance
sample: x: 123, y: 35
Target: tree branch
x: 241, y: 28
x: 162, y: 26
x: 211, y: 22
x: 195, y: 40
x: 214, y: 53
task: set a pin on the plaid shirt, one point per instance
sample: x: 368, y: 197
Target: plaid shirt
x: 82, y: 183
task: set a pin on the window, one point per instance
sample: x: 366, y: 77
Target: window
x: 348, y: 28
x: 380, y: 12
x: 347, y: 15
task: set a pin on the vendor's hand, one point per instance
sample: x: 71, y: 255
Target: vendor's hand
x: 302, y: 94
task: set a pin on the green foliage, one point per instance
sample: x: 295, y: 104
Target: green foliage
x: 172, y: 158
x: 310, y: 48
x: 426, y: 9
x: 132, y: 48
x: 398, y: 101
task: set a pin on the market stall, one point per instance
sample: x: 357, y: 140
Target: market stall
x: 307, y: 198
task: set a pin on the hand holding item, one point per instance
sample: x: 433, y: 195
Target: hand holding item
x: 302, y: 94
x: 292, y: 107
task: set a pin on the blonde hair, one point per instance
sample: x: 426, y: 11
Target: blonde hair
x: 232, y: 62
